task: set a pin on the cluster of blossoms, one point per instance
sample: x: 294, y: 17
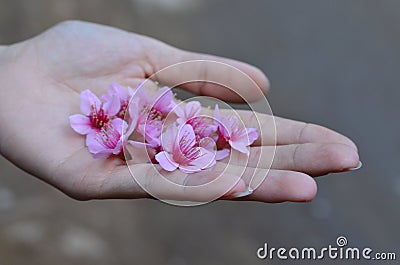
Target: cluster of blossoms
x: 176, y: 136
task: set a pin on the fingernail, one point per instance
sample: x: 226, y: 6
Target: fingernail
x: 242, y: 194
x: 357, y: 167
x: 239, y: 188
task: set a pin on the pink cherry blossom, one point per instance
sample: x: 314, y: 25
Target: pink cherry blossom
x: 233, y: 132
x: 181, y: 151
x: 123, y: 94
x: 153, y: 110
x: 96, y: 114
x: 191, y: 143
x: 203, y: 126
x: 108, y: 140
x: 112, y: 137
x: 188, y: 111
x: 161, y: 102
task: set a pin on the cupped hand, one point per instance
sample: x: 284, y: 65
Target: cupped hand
x: 43, y: 77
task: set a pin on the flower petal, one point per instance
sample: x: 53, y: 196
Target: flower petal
x: 221, y: 122
x: 166, y: 161
x: 181, y: 121
x: 152, y: 131
x: 168, y: 138
x: 120, y: 91
x: 221, y: 154
x: 141, y: 97
x: 153, y: 140
x: 187, y: 131
x: 239, y: 146
x: 208, y: 143
x: 192, y: 109
x: 118, y: 148
x: 131, y: 92
x: 112, y: 106
x: 93, y: 144
x: 80, y: 123
x: 133, y: 111
x: 252, y: 135
x: 217, y: 114
x: 163, y: 100
x: 117, y: 90
x: 188, y: 111
x: 88, y: 101
x: 119, y: 125
x: 180, y: 111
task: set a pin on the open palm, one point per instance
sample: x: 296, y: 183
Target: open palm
x: 43, y: 77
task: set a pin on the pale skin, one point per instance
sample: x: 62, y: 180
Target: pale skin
x: 41, y: 81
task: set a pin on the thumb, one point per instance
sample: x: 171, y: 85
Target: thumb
x: 201, y: 187
x: 226, y: 79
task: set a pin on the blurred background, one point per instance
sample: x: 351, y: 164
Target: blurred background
x: 334, y: 63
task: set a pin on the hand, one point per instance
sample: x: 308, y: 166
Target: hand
x: 41, y: 81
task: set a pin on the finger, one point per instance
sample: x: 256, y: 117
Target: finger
x: 148, y: 180
x: 272, y: 185
x: 282, y: 185
x: 269, y: 185
x: 242, y: 80
x: 314, y: 159
x: 290, y: 131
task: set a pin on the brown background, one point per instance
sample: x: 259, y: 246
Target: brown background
x: 334, y: 63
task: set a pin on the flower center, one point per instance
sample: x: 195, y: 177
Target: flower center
x: 122, y: 111
x: 222, y: 142
x: 98, y: 118
x: 155, y: 114
x: 187, y: 150
x: 201, y: 127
